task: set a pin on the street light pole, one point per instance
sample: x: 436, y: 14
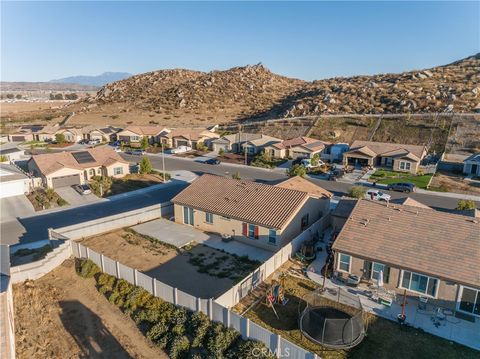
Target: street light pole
x: 163, y: 162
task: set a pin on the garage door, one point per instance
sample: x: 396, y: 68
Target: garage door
x: 65, y: 181
x: 13, y: 188
x: 18, y: 138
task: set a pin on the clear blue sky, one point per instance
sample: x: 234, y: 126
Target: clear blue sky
x: 310, y: 40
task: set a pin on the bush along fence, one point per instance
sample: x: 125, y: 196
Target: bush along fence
x: 240, y: 290
x: 170, y: 336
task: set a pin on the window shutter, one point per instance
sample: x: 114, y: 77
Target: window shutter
x: 256, y: 232
x: 245, y: 229
x: 386, y: 274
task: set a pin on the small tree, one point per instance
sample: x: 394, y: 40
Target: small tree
x: 357, y: 192
x: 144, y: 143
x: 297, y: 170
x: 3, y: 158
x: 221, y: 152
x: 465, y: 204
x: 18, y: 96
x: 60, y: 138
x: 58, y: 96
x: 10, y: 96
x: 315, y: 160
x: 236, y: 176
x: 145, y: 166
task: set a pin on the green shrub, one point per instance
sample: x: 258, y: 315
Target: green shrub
x: 221, y: 152
x: 105, y: 283
x: 465, y: 204
x: 145, y: 166
x: 179, y: 321
x: 297, y: 170
x: 136, y: 299
x: 87, y: 269
x: 61, y: 202
x: 357, y: 192
x: 179, y: 347
x: 115, y: 298
x: 157, y: 331
x: 219, y: 339
x: 198, y: 328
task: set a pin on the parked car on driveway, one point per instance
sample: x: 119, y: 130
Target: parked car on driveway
x: 93, y: 142
x: 307, y: 163
x: 402, y: 187
x: 212, y: 161
x: 83, y: 189
x: 181, y: 149
x: 377, y: 195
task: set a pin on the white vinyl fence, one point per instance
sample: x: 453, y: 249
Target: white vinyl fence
x: 240, y: 290
x: 215, y: 311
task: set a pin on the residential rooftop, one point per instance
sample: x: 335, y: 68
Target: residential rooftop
x: 301, y: 184
x: 256, y: 203
x: 372, y: 148
x: 422, y: 240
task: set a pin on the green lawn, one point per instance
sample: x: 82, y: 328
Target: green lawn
x: 386, y: 177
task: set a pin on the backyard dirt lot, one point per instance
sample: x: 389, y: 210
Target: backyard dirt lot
x: 197, y: 269
x: 62, y: 315
x: 454, y: 183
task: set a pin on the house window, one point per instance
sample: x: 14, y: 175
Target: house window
x: 405, y: 165
x: 304, y: 223
x: 188, y: 215
x: 272, y: 236
x: 99, y: 171
x: 376, y: 269
x: 469, y: 300
x: 250, y: 230
x: 344, y: 262
x: 209, y: 218
x: 419, y: 283
x: 135, y: 138
x: 118, y: 171
x: 92, y: 172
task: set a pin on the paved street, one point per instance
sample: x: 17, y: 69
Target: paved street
x: 253, y: 173
x: 33, y: 228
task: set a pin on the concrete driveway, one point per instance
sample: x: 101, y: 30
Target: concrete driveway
x: 15, y: 206
x: 74, y: 198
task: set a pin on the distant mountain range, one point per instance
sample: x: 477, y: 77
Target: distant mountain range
x: 98, y: 80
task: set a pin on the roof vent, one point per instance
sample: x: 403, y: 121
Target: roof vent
x: 364, y: 222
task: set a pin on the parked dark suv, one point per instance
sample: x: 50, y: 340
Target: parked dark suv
x: 402, y: 187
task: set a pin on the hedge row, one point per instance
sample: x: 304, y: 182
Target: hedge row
x: 179, y: 332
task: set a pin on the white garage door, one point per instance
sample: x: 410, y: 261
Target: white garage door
x: 13, y: 188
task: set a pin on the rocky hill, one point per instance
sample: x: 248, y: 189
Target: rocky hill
x: 254, y: 92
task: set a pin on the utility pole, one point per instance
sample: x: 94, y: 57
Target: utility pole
x: 163, y: 162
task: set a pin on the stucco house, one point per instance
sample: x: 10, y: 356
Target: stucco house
x: 233, y: 142
x: 23, y: 133
x: 132, y: 135
x: 393, y: 156
x: 471, y: 165
x: 428, y: 253
x: 13, y: 182
x: 46, y: 134
x: 258, y: 145
x: 71, y: 134
x: 70, y: 168
x: 102, y: 134
x: 189, y: 137
x: 299, y: 147
x: 257, y: 214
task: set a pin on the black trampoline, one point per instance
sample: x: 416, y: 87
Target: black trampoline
x: 325, y: 323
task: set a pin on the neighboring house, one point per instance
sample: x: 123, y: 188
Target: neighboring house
x: 132, y: 135
x: 428, y: 253
x: 397, y: 157
x: 71, y: 134
x: 471, y: 165
x: 46, y: 134
x: 102, y: 134
x: 12, y: 181
x: 233, y: 143
x: 189, y: 137
x: 256, y: 146
x: 258, y: 214
x: 299, y: 147
x: 70, y: 168
x: 21, y: 134
x: 12, y: 153
x: 334, y: 152
x: 341, y: 212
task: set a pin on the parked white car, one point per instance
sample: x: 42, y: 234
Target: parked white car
x: 181, y: 149
x: 93, y: 142
x: 307, y: 163
x: 377, y: 195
